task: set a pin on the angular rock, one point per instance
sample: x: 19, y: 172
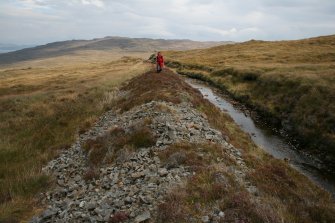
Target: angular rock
x: 205, y: 219
x: 137, y: 175
x: 91, y: 206
x: 163, y: 172
x: 82, y: 204
x: 48, y: 214
x: 142, y: 217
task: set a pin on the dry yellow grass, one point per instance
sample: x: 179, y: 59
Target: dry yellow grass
x: 78, y: 58
x: 312, y: 51
x: 43, y: 104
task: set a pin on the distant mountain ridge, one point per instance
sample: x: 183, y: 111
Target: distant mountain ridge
x: 103, y: 44
x: 5, y: 47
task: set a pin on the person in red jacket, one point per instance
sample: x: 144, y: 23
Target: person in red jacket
x: 160, y: 62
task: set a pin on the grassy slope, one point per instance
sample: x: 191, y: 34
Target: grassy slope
x: 43, y: 104
x: 78, y: 58
x: 291, y: 82
x: 284, y: 194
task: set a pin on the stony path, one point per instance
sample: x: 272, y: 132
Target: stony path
x: 138, y: 184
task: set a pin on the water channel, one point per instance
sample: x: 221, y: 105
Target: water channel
x: 266, y: 138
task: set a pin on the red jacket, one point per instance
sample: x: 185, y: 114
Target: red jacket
x: 160, y: 60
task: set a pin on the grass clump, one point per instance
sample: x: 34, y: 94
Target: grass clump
x: 141, y: 137
x: 180, y: 154
x: 119, y: 217
x: 90, y: 174
x: 297, y: 201
x: 113, y: 145
x: 237, y: 75
x: 195, y: 156
x: 212, y: 189
x: 96, y: 149
x: 239, y: 205
x: 173, y: 208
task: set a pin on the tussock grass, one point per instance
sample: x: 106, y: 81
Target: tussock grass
x: 187, y: 154
x: 214, y: 188
x: 91, y: 173
x: 117, y: 143
x: 119, y: 217
x: 290, y: 83
x: 42, y: 108
x: 141, y: 137
x: 203, y: 189
x: 285, y: 189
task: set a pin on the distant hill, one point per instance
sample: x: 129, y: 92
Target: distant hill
x: 102, y: 44
x: 5, y: 48
x: 256, y: 53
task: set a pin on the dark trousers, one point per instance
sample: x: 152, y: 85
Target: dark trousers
x: 159, y: 68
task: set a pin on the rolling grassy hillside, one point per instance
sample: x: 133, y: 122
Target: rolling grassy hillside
x: 107, y: 44
x: 292, y: 83
x: 42, y: 108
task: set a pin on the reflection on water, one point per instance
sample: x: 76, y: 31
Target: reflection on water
x: 268, y: 140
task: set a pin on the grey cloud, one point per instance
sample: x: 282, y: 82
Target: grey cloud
x: 41, y: 21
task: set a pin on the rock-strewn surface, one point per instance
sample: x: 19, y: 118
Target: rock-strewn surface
x: 133, y: 188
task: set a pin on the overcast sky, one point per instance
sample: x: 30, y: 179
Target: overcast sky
x: 42, y: 21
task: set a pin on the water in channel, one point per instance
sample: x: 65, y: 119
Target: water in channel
x: 266, y: 138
